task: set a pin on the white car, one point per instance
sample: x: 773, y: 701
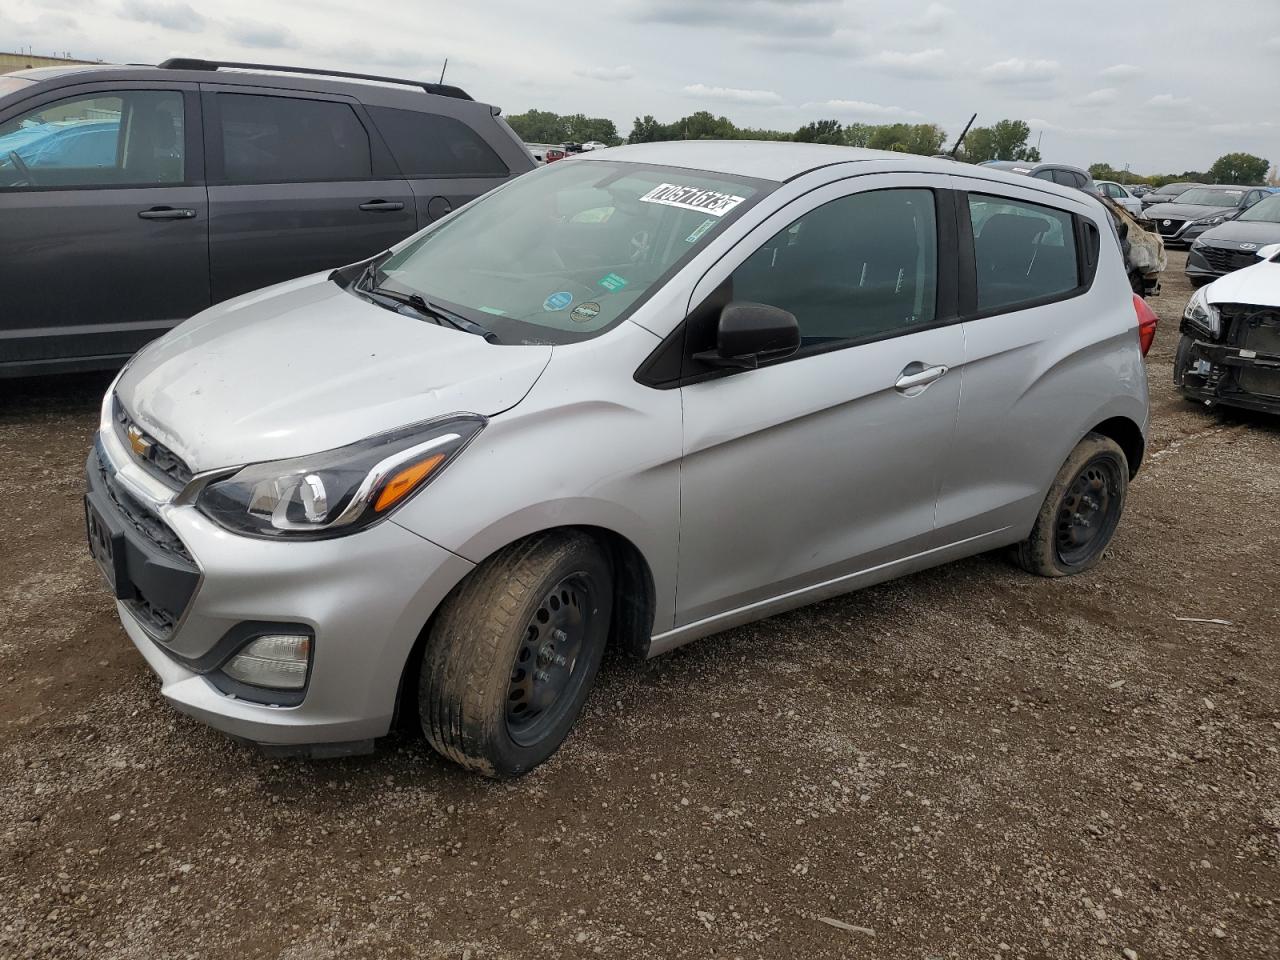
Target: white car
x: 1116, y: 192
x: 1229, y: 353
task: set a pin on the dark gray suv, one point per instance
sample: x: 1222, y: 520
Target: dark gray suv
x: 133, y: 197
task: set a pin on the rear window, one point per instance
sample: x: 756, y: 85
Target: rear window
x: 431, y: 145
x: 1023, y: 251
x: 288, y: 139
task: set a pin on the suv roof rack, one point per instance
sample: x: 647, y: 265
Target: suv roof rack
x: 190, y: 63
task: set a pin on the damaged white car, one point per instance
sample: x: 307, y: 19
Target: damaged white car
x: 1229, y: 353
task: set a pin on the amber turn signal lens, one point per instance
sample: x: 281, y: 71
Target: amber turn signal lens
x: 405, y: 482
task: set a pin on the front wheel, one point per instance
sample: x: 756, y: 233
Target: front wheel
x: 1080, y: 515
x: 512, y: 654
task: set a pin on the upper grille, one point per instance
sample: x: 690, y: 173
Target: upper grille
x: 1220, y: 258
x: 1258, y: 329
x: 157, y: 459
x: 140, y: 518
x: 1168, y: 227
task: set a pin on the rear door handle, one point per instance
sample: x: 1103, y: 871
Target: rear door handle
x: 382, y: 205
x: 918, y: 375
x: 167, y: 213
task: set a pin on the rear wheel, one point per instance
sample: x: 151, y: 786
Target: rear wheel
x: 513, y: 652
x: 1081, y: 512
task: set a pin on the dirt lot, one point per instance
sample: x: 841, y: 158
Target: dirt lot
x: 970, y: 762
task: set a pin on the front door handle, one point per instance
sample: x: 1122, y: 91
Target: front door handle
x: 379, y: 206
x: 167, y: 213
x: 918, y: 375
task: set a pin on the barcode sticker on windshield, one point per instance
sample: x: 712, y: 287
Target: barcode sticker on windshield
x: 692, y: 198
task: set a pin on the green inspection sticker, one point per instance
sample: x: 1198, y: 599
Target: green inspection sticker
x: 612, y: 282
x: 494, y: 310
x: 703, y: 228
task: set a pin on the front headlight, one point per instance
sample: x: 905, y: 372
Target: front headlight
x: 1208, y: 221
x: 1203, y: 313
x: 340, y: 491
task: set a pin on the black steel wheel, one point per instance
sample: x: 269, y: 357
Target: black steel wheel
x: 545, y: 671
x: 1080, y: 513
x: 1087, y: 514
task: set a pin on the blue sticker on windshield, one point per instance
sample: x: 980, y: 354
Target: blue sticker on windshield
x: 612, y: 282
x: 557, y: 301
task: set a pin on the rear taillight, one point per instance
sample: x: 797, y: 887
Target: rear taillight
x: 1147, y: 321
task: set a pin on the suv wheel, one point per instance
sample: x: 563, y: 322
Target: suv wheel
x: 513, y: 652
x: 1081, y: 512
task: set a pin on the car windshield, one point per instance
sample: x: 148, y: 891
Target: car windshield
x: 1205, y: 197
x: 561, y: 254
x: 1266, y: 210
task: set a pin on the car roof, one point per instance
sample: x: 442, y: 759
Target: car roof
x: 261, y: 75
x: 777, y: 160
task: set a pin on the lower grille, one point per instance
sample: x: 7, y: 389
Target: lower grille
x: 1224, y: 260
x: 1257, y: 329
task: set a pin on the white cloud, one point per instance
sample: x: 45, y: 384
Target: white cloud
x: 249, y: 33
x: 1018, y: 70
x: 1272, y: 45
x: 921, y: 63
x: 1122, y: 71
x: 606, y: 73
x: 861, y: 108
x: 173, y: 16
x: 701, y: 91
x: 935, y: 19
x: 1167, y: 101
x: 1099, y: 98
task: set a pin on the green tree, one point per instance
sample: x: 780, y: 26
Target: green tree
x: 539, y: 126
x: 1005, y: 140
x: 1239, y: 168
x: 1103, y: 171
x: 647, y: 130
x: 583, y: 128
x: 820, y: 131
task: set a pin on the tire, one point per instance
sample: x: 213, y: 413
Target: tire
x: 480, y: 702
x: 1091, y: 486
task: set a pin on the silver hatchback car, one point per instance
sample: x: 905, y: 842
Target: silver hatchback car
x: 632, y: 398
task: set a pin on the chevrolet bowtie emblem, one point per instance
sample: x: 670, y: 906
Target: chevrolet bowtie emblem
x: 138, y: 441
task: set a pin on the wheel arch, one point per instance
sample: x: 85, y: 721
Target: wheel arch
x: 634, y: 605
x: 1129, y: 436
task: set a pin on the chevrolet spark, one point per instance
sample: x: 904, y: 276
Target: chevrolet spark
x: 633, y: 398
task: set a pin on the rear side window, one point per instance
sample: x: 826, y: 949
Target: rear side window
x: 1023, y: 251
x: 431, y: 145
x: 287, y: 139
x: 859, y: 268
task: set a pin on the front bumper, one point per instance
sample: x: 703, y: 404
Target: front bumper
x: 1219, y: 373
x: 365, y: 598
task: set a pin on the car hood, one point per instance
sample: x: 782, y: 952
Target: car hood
x: 1258, y: 284
x: 1183, y: 211
x: 1232, y: 232
x: 305, y: 366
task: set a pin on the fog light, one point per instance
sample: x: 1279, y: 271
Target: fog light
x: 278, y: 662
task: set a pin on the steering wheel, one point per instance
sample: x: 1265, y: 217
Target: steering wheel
x: 23, y: 170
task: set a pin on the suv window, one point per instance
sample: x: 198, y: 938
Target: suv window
x: 858, y: 268
x: 123, y: 139
x: 430, y: 145
x: 268, y: 139
x: 1023, y: 251
x: 1045, y: 174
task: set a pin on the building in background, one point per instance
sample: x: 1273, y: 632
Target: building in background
x: 10, y: 62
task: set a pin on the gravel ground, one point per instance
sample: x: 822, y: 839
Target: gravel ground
x: 970, y: 762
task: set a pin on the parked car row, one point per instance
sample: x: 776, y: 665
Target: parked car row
x: 1198, y: 209
x: 162, y: 190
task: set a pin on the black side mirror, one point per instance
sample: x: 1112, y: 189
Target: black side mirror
x: 749, y: 334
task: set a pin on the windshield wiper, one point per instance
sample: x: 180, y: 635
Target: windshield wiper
x: 432, y: 312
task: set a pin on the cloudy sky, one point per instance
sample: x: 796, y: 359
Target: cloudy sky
x: 1172, y: 91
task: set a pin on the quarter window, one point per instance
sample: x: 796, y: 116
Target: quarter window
x: 430, y: 145
x: 106, y: 140
x: 287, y: 139
x: 859, y: 268
x: 1023, y: 251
